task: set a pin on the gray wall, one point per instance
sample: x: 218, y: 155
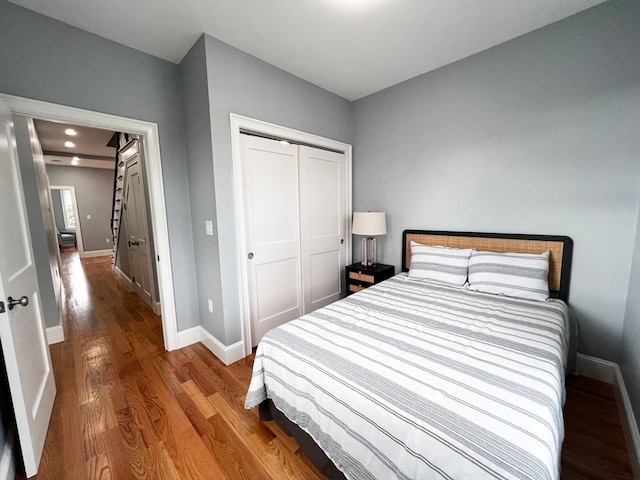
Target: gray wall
x: 47, y: 60
x: 195, y: 90
x: 45, y: 248
x: 537, y: 135
x: 94, y: 190
x: 56, y: 205
x: 242, y: 84
x: 630, y: 361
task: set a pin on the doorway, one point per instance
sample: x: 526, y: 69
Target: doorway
x: 149, y: 131
x: 65, y: 214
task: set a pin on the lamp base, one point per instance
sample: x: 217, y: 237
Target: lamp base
x: 366, y: 261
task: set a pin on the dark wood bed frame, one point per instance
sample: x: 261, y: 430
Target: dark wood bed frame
x: 561, y: 249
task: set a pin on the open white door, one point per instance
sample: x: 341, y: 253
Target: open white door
x: 137, y: 227
x: 22, y: 332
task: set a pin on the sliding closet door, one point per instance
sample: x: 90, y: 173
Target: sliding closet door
x: 270, y: 187
x: 323, y: 222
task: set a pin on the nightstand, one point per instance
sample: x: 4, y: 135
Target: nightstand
x: 360, y: 277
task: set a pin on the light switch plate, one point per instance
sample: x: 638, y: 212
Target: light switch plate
x: 208, y: 225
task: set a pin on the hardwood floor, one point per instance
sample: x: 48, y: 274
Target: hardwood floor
x: 127, y: 409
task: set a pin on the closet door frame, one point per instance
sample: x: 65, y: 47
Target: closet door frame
x: 240, y: 124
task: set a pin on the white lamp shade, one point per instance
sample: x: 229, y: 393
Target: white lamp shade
x: 369, y: 223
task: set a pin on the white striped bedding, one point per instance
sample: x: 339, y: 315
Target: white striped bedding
x: 412, y: 380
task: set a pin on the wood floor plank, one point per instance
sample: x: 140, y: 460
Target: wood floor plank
x: 206, y: 409
x: 118, y: 460
x: 136, y: 449
x: 93, y: 424
x: 70, y: 453
x: 163, y: 466
x: 272, y: 455
x: 127, y: 409
x: 140, y: 416
x: 233, y: 457
x: 191, y: 458
x: 193, y: 413
x: 98, y: 468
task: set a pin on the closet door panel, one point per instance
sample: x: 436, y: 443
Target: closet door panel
x: 277, y: 289
x: 273, y: 189
x: 270, y: 187
x: 323, y: 220
x: 324, y: 283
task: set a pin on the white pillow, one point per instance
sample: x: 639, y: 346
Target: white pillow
x: 519, y: 275
x: 447, y: 266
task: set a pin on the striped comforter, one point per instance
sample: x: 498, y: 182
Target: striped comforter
x: 415, y: 381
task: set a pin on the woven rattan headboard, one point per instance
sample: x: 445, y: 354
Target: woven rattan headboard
x: 561, y: 249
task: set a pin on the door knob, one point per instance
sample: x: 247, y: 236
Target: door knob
x: 24, y: 301
x: 342, y: 241
x: 250, y: 256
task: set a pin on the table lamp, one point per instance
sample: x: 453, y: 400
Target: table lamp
x: 369, y: 224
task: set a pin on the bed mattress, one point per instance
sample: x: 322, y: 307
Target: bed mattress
x: 412, y: 380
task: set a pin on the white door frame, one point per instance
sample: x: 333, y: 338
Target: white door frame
x: 240, y: 123
x: 51, y: 111
x: 75, y: 212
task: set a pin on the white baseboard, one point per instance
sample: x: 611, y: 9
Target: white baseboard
x: 8, y: 458
x: 597, y: 368
x: 189, y: 336
x: 609, y: 372
x: 632, y: 435
x: 55, y: 334
x: 96, y: 253
x: 226, y: 354
x: 122, y: 276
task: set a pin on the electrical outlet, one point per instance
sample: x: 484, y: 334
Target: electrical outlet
x: 88, y: 217
x: 108, y: 241
x: 208, y: 227
x: 210, y: 305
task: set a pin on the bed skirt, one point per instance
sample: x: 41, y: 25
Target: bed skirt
x: 314, y: 453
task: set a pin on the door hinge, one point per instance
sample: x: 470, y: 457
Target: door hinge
x: 158, y: 257
x: 2, y: 310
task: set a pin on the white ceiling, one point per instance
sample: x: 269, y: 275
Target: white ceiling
x: 350, y: 47
x: 90, y: 145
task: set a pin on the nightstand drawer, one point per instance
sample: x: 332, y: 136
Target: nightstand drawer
x: 362, y: 277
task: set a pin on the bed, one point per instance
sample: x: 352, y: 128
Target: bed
x: 416, y: 379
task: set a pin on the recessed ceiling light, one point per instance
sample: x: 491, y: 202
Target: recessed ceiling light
x: 69, y: 144
x: 75, y: 161
x: 71, y: 132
